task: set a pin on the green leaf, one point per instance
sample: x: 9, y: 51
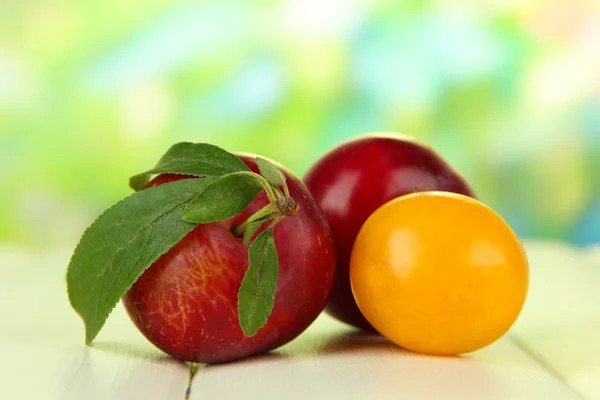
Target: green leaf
x: 199, y: 159
x: 256, y: 297
x: 270, y: 172
x: 122, y: 243
x: 223, y: 198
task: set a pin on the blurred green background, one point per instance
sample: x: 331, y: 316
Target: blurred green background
x: 93, y: 92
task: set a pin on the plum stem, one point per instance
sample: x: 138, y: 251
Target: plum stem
x: 263, y: 183
x: 280, y: 208
x: 278, y: 193
x: 269, y: 209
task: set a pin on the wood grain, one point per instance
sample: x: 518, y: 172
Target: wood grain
x: 331, y: 361
x: 560, y: 323
x: 42, y: 349
x: 552, y: 352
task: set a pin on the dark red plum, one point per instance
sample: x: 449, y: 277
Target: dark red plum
x: 354, y: 179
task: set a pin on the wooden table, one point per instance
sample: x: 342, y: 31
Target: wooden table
x: 552, y: 352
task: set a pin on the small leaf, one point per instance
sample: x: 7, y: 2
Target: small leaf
x: 256, y: 297
x: 122, y: 243
x: 223, y: 198
x: 199, y: 159
x: 270, y: 172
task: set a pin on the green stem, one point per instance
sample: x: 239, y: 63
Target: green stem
x: 263, y: 183
x: 278, y: 193
x: 263, y: 212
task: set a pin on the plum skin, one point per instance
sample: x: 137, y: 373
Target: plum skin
x: 354, y: 179
x: 186, y: 302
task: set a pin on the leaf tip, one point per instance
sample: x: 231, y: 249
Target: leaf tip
x: 90, y: 333
x: 138, y: 182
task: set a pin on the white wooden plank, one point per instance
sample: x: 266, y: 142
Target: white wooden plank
x: 560, y: 324
x: 42, y: 354
x: 331, y: 361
